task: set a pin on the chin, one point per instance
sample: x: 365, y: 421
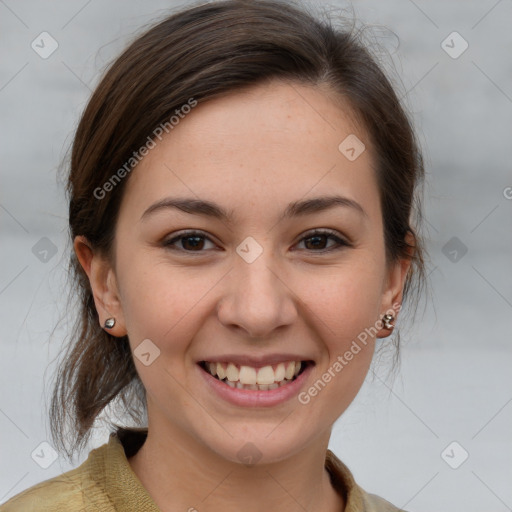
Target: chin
x: 258, y: 444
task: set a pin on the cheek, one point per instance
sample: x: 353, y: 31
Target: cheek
x: 345, y: 309
x: 160, y: 301
x: 346, y: 300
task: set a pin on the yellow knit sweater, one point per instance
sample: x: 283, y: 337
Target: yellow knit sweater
x: 105, y: 482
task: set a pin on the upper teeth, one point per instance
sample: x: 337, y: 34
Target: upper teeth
x: 249, y: 375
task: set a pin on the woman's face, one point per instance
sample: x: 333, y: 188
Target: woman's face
x: 259, y: 287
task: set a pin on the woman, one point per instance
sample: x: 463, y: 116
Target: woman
x: 241, y: 190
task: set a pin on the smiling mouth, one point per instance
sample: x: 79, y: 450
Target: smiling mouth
x: 265, y: 378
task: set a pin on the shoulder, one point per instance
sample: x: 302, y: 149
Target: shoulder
x: 58, y: 494
x: 356, y: 498
x: 103, y: 483
x: 68, y: 492
x: 374, y: 503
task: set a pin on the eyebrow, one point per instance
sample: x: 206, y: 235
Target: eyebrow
x: 211, y: 209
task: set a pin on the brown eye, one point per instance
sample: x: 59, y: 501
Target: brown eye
x: 192, y: 242
x: 317, y: 241
x: 188, y: 242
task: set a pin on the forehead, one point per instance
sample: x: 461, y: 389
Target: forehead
x: 260, y: 146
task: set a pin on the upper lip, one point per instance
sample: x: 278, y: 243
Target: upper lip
x: 255, y: 361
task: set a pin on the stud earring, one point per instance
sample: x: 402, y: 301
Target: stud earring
x: 109, y: 323
x: 387, y: 319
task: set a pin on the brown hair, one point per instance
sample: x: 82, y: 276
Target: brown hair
x: 201, y: 53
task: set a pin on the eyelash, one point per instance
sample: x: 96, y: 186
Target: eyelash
x: 319, y: 232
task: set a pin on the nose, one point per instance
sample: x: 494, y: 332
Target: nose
x: 258, y: 300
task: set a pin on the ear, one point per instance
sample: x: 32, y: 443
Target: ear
x: 392, y: 293
x: 103, y: 285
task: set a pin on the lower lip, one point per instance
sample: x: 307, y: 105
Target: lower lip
x: 254, y: 397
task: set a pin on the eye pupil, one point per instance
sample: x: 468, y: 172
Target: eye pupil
x: 198, y: 241
x: 317, y: 238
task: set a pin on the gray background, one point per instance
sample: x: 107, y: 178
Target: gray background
x: 455, y: 379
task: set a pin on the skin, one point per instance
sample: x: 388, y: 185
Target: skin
x: 252, y: 152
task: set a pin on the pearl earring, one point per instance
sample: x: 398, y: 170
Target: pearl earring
x: 109, y: 323
x: 387, y: 319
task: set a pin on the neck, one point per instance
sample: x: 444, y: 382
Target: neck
x: 181, y: 475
